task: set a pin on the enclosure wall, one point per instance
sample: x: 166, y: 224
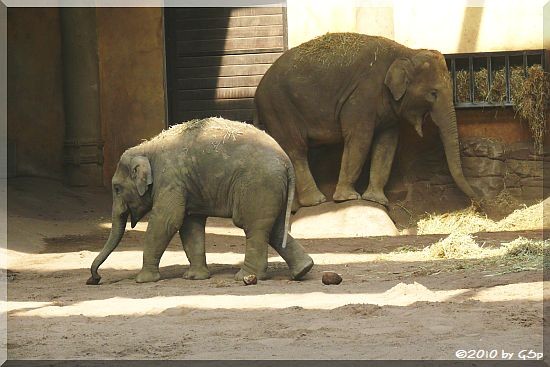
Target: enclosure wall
x: 449, y: 27
x: 35, y: 94
x: 131, y: 67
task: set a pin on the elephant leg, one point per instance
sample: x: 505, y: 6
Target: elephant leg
x: 165, y: 220
x: 383, y: 151
x: 298, y: 261
x: 192, y: 239
x: 356, y: 148
x: 255, y: 258
x: 306, y: 188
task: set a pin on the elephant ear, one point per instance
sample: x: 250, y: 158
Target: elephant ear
x: 141, y: 173
x: 397, y: 77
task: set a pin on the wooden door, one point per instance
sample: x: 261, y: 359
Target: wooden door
x: 215, y: 58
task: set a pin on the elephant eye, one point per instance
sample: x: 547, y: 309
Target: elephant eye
x: 432, y: 96
x: 117, y: 189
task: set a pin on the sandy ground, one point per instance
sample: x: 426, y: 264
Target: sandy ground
x: 387, y: 307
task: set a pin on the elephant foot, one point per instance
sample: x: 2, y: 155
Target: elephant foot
x: 297, y: 272
x: 377, y: 197
x: 93, y: 281
x: 197, y: 273
x: 345, y: 194
x: 242, y: 273
x: 311, y: 198
x: 146, y: 276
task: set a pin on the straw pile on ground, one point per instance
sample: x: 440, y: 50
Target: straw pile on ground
x: 469, y: 221
x: 461, y: 251
x: 521, y: 254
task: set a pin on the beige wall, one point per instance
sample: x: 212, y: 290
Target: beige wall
x: 35, y: 94
x: 131, y: 70
x: 448, y: 26
x: 546, y: 27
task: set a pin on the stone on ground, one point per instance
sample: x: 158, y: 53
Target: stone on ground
x: 355, y: 218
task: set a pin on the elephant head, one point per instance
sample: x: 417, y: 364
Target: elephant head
x: 421, y: 86
x: 131, y: 196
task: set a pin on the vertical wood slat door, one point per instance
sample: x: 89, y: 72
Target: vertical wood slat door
x: 215, y: 58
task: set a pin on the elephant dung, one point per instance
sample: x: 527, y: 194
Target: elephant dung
x: 331, y: 278
x: 250, y: 279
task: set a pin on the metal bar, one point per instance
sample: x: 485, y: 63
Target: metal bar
x: 489, y: 77
x: 544, y: 59
x: 471, y: 71
x: 453, y: 76
x: 525, y: 64
x: 507, y: 73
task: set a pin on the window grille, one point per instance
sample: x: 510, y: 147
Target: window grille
x: 490, y: 79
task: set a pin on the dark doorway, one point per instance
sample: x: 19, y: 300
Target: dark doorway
x: 215, y: 58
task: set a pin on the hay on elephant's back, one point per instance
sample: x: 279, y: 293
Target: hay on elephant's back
x: 229, y: 129
x: 332, y: 48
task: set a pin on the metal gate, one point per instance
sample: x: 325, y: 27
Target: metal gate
x: 215, y: 58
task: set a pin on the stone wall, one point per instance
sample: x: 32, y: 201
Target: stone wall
x: 491, y: 167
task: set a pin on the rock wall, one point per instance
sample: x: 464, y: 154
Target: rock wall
x: 492, y: 167
x: 506, y: 175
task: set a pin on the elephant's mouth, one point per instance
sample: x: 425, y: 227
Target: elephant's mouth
x: 134, y: 217
x: 419, y: 122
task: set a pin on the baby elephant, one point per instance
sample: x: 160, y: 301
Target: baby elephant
x: 211, y: 167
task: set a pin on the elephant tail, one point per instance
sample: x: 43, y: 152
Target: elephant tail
x: 291, y: 187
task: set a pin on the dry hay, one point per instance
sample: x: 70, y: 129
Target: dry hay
x: 530, y: 94
x: 230, y: 129
x: 500, y: 205
x: 526, y: 218
x: 462, y: 86
x: 481, y: 86
x: 454, y: 246
x: 469, y: 220
x: 521, y: 254
x: 332, y: 48
x: 525, y: 247
x: 533, y: 104
x: 461, y: 251
x: 496, y: 92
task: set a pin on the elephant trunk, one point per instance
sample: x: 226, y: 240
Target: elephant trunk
x: 444, y: 117
x: 117, y: 231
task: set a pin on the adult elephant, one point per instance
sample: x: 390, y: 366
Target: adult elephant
x: 355, y: 89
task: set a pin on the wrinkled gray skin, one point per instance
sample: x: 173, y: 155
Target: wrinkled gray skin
x: 203, y: 168
x: 356, y: 95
